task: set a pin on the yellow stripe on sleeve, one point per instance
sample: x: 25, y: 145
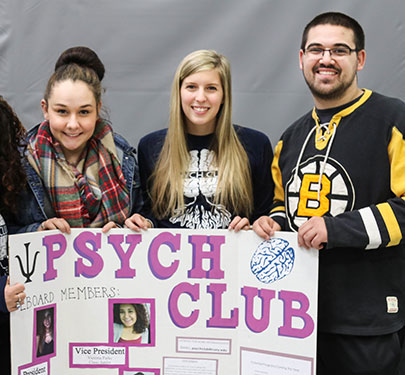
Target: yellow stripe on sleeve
x: 396, y: 152
x: 278, y: 209
x: 276, y: 172
x: 391, y: 223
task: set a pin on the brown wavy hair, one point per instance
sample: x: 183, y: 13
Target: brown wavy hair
x: 142, y: 319
x: 12, y: 144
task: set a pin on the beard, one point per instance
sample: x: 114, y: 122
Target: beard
x: 329, y: 93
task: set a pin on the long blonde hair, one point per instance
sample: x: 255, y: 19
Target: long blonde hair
x: 234, y: 188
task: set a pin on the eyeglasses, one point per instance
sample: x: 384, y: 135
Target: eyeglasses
x: 340, y: 51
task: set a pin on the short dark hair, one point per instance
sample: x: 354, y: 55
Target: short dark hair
x: 337, y: 19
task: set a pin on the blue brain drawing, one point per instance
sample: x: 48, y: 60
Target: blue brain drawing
x: 272, y: 260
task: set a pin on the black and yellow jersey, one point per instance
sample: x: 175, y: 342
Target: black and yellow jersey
x: 351, y: 171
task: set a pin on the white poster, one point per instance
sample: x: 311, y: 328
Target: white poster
x: 163, y: 303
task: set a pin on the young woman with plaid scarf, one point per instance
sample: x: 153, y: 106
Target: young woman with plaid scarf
x: 80, y: 173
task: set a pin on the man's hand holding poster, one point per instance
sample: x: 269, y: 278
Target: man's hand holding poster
x: 163, y: 302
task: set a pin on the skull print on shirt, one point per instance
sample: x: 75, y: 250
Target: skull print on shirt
x: 200, y: 184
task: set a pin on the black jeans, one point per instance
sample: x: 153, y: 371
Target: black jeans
x: 366, y: 355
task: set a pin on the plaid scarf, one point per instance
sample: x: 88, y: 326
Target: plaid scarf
x: 87, y: 195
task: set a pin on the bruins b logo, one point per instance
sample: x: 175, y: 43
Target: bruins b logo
x: 305, y: 197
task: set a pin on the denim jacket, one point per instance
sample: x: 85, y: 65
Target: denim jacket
x: 36, y: 206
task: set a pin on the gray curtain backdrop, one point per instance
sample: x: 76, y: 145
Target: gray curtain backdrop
x: 141, y: 42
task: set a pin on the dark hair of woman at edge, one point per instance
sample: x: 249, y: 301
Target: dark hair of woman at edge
x: 12, y: 174
x: 13, y: 180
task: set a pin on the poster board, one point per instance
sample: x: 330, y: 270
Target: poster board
x: 212, y: 302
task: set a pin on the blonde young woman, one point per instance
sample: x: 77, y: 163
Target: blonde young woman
x: 203, y: 172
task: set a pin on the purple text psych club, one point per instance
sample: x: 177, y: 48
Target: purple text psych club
x: 86, y: 244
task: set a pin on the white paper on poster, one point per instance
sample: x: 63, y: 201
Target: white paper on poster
x: 189, y: 366
x: 204, y: 294
x: 267, y: 363
x: 200, y: 345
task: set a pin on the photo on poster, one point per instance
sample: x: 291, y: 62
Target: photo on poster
x: 139, y: 371
x: 132, y: 321
x: 45, y: 332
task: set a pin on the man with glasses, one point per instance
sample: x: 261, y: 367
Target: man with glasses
x: 339, y: 174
